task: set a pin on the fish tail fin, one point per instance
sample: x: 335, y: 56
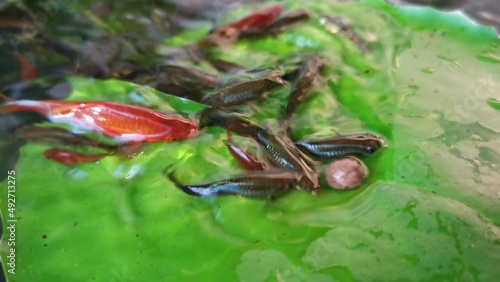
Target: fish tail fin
x: 8, y: 105
x: 4, y: 98
x: 169, y: 173
x: 277, y: 80
x: 28, y: 70
x: 5, y: 107
x: 185, y: 188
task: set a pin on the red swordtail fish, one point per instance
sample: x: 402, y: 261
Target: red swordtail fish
x: 126, y: 122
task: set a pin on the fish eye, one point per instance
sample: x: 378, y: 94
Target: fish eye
x: 371, y: 149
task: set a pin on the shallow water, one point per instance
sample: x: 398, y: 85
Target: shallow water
x: 429, y: 210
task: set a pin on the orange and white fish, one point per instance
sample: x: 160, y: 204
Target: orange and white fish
x: 125, y: 122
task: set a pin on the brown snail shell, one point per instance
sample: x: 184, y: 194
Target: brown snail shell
x: 346, y: 173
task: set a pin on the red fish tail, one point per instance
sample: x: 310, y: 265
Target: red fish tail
x: 4, y: 98
x: 259, y: 19
x: 69, y: 157
x: 246, y: 160
x: 25, y: 106
x: 28, y: 70
x: 8, y: 108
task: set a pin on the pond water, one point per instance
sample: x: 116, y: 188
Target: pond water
x: 429, y: 210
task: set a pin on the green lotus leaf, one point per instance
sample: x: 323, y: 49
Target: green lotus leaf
x: 429, y: 211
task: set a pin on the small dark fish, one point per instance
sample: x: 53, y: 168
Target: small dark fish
x: 337, y: 25
x: 341, y: 146
x: 243, y: 92
x: 291, y: 75
x: 288, y: 19
x: 229, y: 67
x: 285, y: 155
x: 68, y: 157
x: 279, y: 152
x: 171, y: 74
x: 225, y: 66
x: 190, y: 93
x: 228, y: 120
x: 60, y: 136
x: 308, y: 73
x: 258, y: 184
x: 195, y: 52
x: 245, y: 159
x: 179, y: 81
